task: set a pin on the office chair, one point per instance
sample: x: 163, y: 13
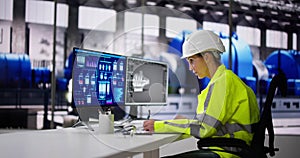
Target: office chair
x: 257, y: 148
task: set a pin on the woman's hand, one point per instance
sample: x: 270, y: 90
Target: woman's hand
x: 149, y: 125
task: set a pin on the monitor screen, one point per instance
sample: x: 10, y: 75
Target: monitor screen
x: 146, y: 82
x: 98, y: 78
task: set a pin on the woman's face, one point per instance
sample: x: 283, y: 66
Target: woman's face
x: 198, y: 66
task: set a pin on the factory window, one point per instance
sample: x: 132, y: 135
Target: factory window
x: 216, y: 27
x: 42, y: 12
x: 294, y: 41
x: 92, y: 18
x: 249, y: 34
x: 276, y: 39
x: 176, y: 25
x: 6, y: 10
x: 4, y: 36
x: 62, y: 15
x: 133, y: 24
x: 6, y: 13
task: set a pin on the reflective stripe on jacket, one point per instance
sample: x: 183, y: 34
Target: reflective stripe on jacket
x: 226, y: 108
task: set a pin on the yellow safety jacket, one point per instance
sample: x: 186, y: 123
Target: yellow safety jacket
x: 227, y: 107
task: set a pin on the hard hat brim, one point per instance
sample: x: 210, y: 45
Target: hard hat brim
x: 207, y: 50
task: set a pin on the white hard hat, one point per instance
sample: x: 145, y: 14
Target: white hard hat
x: 201, y: 41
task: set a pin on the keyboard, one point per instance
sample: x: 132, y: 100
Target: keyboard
x: 128, y: 125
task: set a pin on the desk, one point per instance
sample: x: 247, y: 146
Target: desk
x: 79, y: 143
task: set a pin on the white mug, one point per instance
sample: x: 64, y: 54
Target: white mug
x: 106, y: 123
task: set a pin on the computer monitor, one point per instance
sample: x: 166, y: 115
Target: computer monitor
x: 98, y: 81
x: 146, y: 82
x: 102, y: 80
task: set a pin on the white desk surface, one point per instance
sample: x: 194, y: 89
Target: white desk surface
x: 78, y: 143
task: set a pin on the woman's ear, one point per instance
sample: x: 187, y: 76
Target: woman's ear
x: 206, y: 56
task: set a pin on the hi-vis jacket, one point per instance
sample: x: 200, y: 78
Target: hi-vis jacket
x: 226, y: 108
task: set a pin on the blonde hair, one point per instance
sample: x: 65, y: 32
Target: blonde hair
x: 216, y: 54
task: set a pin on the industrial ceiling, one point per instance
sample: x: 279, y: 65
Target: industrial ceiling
x: 282, y: 15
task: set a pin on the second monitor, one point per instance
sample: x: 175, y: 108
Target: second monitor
x: 146, y: 82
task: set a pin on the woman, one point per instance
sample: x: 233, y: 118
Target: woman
x: 227, y: 107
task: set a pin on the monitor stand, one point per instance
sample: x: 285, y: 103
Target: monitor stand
x: 83, y: 123
x: 133, y: 112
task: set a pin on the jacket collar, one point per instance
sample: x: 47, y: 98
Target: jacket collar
x: 218, y: 73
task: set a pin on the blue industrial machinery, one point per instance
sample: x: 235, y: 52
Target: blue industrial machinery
x: 16, y: 70
x: 241, y: 56
x: 20, y: 84
x: 287, y: 61
x: 41, y: 76
x: 69, y: 66
x: 17, y: 73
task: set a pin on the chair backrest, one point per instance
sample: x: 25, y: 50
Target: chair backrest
x: 265, y: 122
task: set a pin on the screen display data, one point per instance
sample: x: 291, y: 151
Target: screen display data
x: 98, y: 78
x: 146, y: 82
